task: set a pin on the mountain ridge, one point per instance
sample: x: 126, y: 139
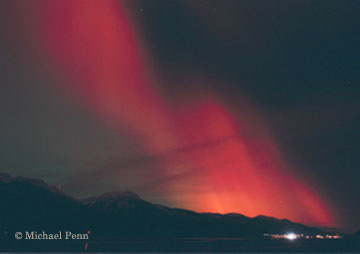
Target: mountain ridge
x: 126, y: 210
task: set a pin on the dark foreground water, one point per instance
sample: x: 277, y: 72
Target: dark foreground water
x: 187, y: 245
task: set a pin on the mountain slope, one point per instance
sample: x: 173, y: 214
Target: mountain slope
x: 31, y: 204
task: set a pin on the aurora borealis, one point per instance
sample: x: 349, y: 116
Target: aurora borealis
x: 115, y: 115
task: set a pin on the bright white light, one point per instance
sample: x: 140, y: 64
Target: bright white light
x: 290, y: 236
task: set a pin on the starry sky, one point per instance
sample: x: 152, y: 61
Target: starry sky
x: 248, y: 106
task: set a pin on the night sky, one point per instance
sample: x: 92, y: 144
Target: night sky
x: 237, y: 106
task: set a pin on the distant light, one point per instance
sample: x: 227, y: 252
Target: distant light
x: 290, y: 236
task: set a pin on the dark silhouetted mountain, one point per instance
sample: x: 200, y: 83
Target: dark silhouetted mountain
x: 122, y: 221
x: 7, y: 178
x: 31, y: 204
